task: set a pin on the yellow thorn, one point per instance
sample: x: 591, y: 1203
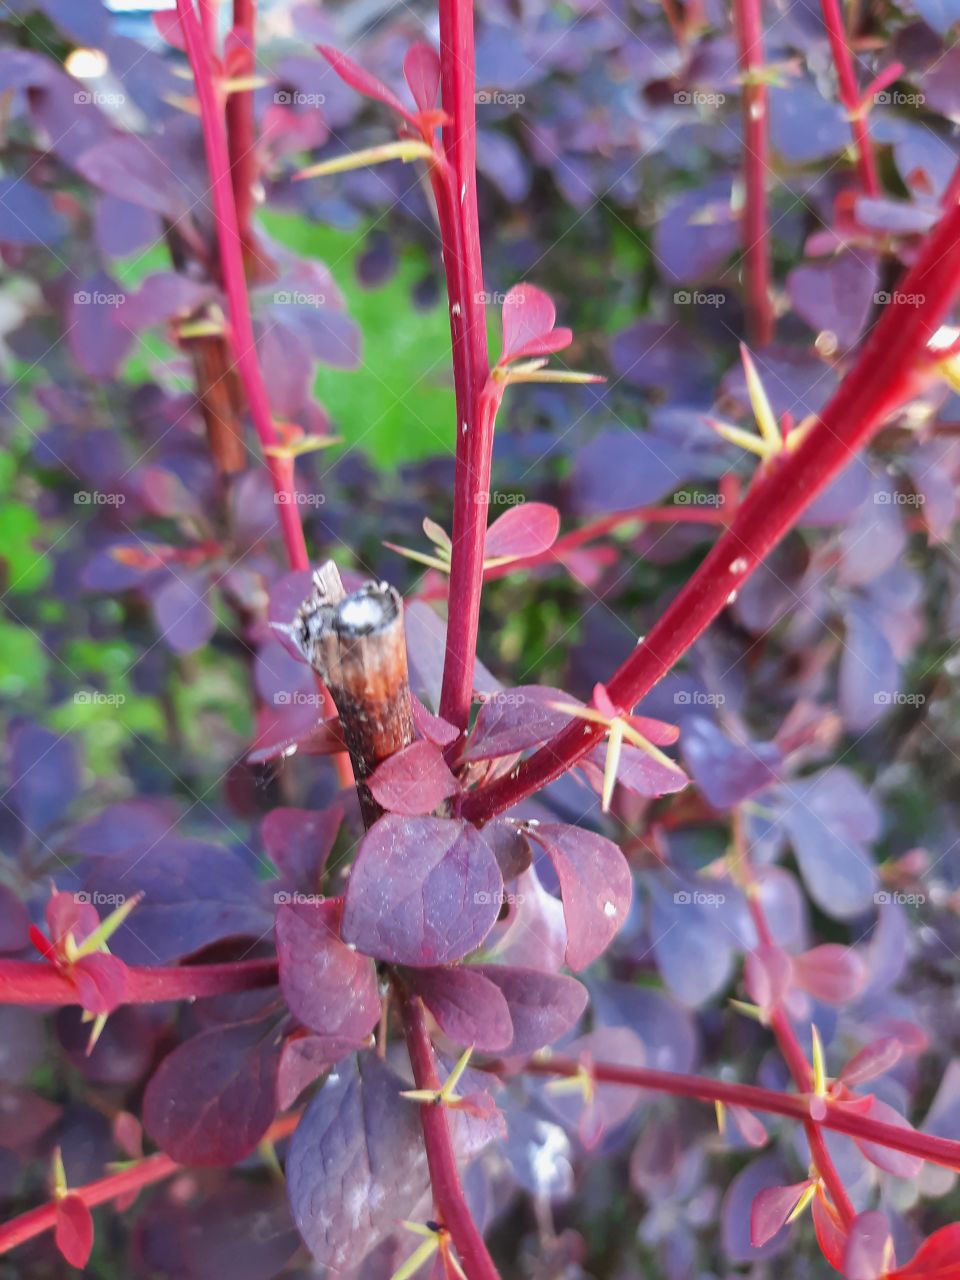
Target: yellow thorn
x: 762, y: 411
x: 59, y: 1174
x: 108, y: 926
x: 749, y: 1011
x: 419, y: 1228
x: 453, y: 1079
x: 96, y: 1031
x: 808, y: 1193
x: 241, y: 84
x: 420, y: 557
x: 208, y: 328
x: 582, y: 1082
x: 406, y: 149
x: 739, y: 437
x: 612, y: 763
x: 721, y: 1112
x: 819, y: 1065
x: 416, y: 1260
x: 550, y: 375
x: 308, y: 444
x: 638, y: 740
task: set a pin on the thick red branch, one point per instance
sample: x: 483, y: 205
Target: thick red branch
x: 25, y: 982
x: 448, y: 1195
x: 883, y: 378
x: 241, y: 133
x: 850, y: 97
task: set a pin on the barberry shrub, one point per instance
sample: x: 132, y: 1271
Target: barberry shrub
x: 567, y: 883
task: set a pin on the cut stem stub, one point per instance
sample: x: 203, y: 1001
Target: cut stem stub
x: 356, y: 644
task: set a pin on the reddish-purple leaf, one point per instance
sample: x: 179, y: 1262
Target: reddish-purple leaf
x: 830, y: 1232
x: 168, y: 28
x: 874, y: 1059
x: 468, y: 1007
x: 523, y: 530
x: 595, y: 885
x: 213, y: 1098
x: 641, y: 773
x: 73, y: 1233
x: 831, y: 973
x: 328, y: 986
x: 510, y: 846
x: 767, y: 974
x: 771, y: 1209
x: 70, y: 913
x: 356, y: 1166
x: 528, y: 325
x: 938, y: 1258
x: 869, y: 1250
x: 303, y: 1059
x: 101, y: 982
x: 422, y: 891
x: 421, y: 70
x: 353, y: 74
x: 299, y: 841
x: 899, y: 1163
x: 14, y: 921
x: 413, y: 781
x: 434, y: 728
x: 543, y: 1006
x: 751, y: 1127
x: 513, y: 720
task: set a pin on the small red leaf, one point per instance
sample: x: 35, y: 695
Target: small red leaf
x: 528, y: 320
x: 168, y: 28
x: 101, y: 982
x: 413, y: 781
x: 525, y: 530
x: 831, y: 973
x: 434, y: 728
x: 771, y: 1209
x: 831, y: 1236
x: 70, y: 913
x: 750, y: 1126
x: 468, y: 1007
x: 421, y: 70
x: 328, y: 986
x: 353, y: 74
x: 938, y: 1258
x: 74, y: 1230
x: 659, y: 732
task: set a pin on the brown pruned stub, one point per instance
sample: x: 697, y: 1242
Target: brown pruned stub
x: 357, y: 646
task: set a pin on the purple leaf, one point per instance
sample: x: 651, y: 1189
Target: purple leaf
x: 468, y: 1007
x: 543, y: 1006
x: 356, y: 1165
x: 524, y: 530
x: 303, y: 1059
x: 413, y: 781
x: 27, y: 216
x: 694, y: 235
x: 899, y: 1163
x: 640, y: 773
x: 45, y: 775
x: 737, y: 1211
x: 127, y: 166
x: 14, y: 921
x: 874, y: 1059
x: 182, y: 612
x: 422, y: 891
x: 514, y: 720
x: 595, y: 886
x: 213, y: 1098
x: 836, y: 296
x: 329, y: 987
x: 299, y: 841
x: 868, y: 1254
x: 830, y: 824
x: 727, y: 772
x: 434, y: 728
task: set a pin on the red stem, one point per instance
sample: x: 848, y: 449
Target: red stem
x: 144, y: 1173
x: 748, y: 24
x: 475, y: 429
x: 448, y: 1195
x: 242, y: 341
x: 27, y: 982
x: 793, y: 1106
x: 241, y: 134
x: 883, y: 377
x: 850, y: 96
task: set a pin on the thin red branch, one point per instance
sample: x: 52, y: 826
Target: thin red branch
x: 850, y: 97
x: 451, y: 1204
x: 144, y: 1173
x: 28, y: 983
x: 883, y: 378
x: 475, y: 429
x: 940, y: 1151
x: 748, y: 25
x: 242, y: 341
